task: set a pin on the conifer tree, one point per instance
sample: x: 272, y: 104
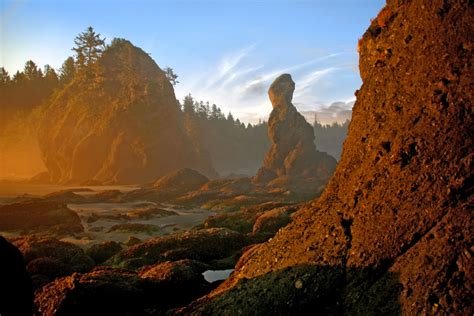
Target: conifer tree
x: 31, y: 71
x: 89, y: 47
x: 171, y: 76
x: 67, y: 71
x: 4, y: 76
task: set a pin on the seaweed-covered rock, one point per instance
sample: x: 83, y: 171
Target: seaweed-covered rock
x: 45, y: 269
x: 206, y: 245
x: 184, y: 278
x: 132, y: 240
x: 37, y: 215
x: 110, y: 291
x: 135, y: 228
x: 104, y: 291
x: 103, y: 251
x: 41, y: 247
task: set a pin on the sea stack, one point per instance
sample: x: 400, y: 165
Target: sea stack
x: 292, y: 160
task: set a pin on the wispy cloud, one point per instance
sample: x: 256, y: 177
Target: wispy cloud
x: 226, y: 69
x: 238, y: 82
x: 310, y: 79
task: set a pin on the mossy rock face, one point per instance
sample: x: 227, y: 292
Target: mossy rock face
x: 103, y: 251
x: 42, y: 247
x: 135, y: 228
x: 201, y: 245
x: 48, y: 258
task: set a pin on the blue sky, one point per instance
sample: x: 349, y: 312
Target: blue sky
x: 226, y: 52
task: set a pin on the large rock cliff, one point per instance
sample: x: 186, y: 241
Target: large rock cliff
x: 393, y: 231
x: 117, y: 124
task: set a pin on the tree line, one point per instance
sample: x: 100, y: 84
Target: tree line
x: 232, y: 146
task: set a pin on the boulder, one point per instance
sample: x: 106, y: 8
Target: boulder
x: 206, y: 245
x: 103, y: 251
x: 104, y: 291
x: 184, y: 278
x: 16, y: 292
x: 170, y: 186
x: 109, y: 291
x: 45, y: 269
x: 69, y: 254
x: 37, y: 215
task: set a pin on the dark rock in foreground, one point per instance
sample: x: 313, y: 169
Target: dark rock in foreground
x: 103, y: 251
x: 183, y: 277
x: 109, y: 291
x: 16, y: 292
x: 104, y: 291
x: 49, y: 258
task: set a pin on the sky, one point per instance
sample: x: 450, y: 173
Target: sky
x: 226, y: 52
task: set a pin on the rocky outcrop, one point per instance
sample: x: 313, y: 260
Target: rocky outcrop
x: 125, y: 115
x: 49, y: 258
x: 16, y: 292
x: 170, y: 186
x: 104, y: 291
x: 292, y: 160
x: 207, y: 245
x: 393, y: 231
x: 271, y: 221
x: 109, y: 291
x: 181, y: 181
x: 103, y: 251
x: 182, y: 277
x: 37, y: 215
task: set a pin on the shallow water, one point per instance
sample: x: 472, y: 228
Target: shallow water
x: 99, y: 230
x: 216, y: 275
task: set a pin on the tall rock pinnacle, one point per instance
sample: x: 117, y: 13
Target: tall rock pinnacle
x: 292, y: 158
